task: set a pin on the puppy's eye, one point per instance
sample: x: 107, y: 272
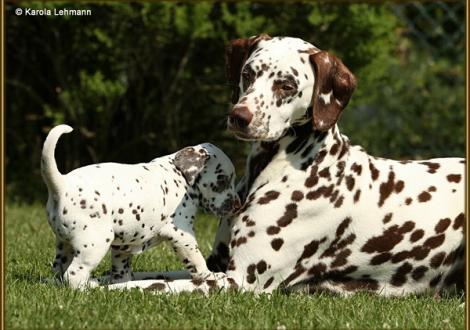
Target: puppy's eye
x: 287, y: 87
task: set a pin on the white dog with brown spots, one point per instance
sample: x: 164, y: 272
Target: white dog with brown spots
x: 131, y: 208
x: 320, y: 213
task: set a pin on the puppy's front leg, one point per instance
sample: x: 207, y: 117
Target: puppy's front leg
x: 185, y: 245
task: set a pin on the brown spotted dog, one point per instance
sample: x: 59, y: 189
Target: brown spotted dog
x: 320, y: 213
x: 131, y: 208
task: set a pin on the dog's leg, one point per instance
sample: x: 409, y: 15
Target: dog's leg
x: 121, y: 270
x: 185, y: 245
x: 88, y: 252
x: 63, y: 258
x: 194, y: 285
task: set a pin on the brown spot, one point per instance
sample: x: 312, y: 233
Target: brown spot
x: 357, y: 195
x: 385, y: 242
x: 459, y: 221
x: 273, y: 230
x: 261, y: 267
x: 432, y: 189
x: 432, y: 167
x: 416, y: 235
x: 419, y: 272
x: 373, y: 171
x: 120, y: 211
x: 386, y: 188
x: 104, y: 209
x: 277, y: 243
x: 434, y: 241
x: 297, y: 196
x: 339, y: 202
x: 442, y: 225
x: 350, y: 182
x: 408, y: 200
x: 156, y: 287
x: 387, y: 218
x: 399, y: 278
x: 424, y: 197
x: 437, y: 259
x: 366, y: 284
x: 197, y: 281
x: 309, y: 250
x: 356, y: 168
x: 290, y: 214
x: 380, y: 258
x: 268, y: 197
x: 341, y: 258
x: 454, y: 178
x: 268, y: 282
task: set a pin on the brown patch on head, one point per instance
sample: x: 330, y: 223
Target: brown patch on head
x: 331, y: 76
x: 236, y: 54
x: 190, y: 162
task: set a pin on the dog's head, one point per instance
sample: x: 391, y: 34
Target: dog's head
x: 212, y: 174
x: 279, y: 82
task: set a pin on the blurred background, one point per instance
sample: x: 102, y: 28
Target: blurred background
x: 141, y: 80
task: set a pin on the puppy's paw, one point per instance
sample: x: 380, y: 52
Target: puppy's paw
x: 210, y: 276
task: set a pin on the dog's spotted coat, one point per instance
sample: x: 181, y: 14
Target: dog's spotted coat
x: 131, y: 208
x: 319, y: 213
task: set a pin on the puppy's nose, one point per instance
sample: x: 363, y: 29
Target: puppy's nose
x: 240, y: 117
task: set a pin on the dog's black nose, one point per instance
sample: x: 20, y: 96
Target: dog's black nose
x: 239, y: 117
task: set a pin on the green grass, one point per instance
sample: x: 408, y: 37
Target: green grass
x: 33, y: 304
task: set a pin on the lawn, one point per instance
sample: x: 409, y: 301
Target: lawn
x: 30, y: 303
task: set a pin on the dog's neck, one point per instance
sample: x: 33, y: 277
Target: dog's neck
x: 305, y: 144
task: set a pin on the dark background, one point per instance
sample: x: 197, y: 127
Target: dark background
x: 141, y: 80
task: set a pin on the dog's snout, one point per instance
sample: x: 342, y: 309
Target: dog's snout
x: 240, y: 117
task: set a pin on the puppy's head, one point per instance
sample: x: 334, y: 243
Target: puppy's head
x: 279, y: 82
x: 212, y: 174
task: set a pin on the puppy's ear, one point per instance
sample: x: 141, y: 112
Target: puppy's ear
x: 334, y: 85
x: 190, y: 162
x: 236, y: 54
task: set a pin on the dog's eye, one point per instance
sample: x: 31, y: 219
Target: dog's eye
x: 287, y: 87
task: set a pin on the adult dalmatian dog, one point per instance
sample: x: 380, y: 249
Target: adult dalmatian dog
x: 319, y: 213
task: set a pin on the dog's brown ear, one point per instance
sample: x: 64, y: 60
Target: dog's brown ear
x: 334, y: 85
x: 236, y: 54
x: 190, y: 161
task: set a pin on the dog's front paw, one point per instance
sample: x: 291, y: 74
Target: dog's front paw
x: 210, y: 276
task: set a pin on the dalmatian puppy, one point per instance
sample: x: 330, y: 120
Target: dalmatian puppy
x: 131, y: 208
x: 320, y: 214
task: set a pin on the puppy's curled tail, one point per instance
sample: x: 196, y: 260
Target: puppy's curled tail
x: 50, y: 173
